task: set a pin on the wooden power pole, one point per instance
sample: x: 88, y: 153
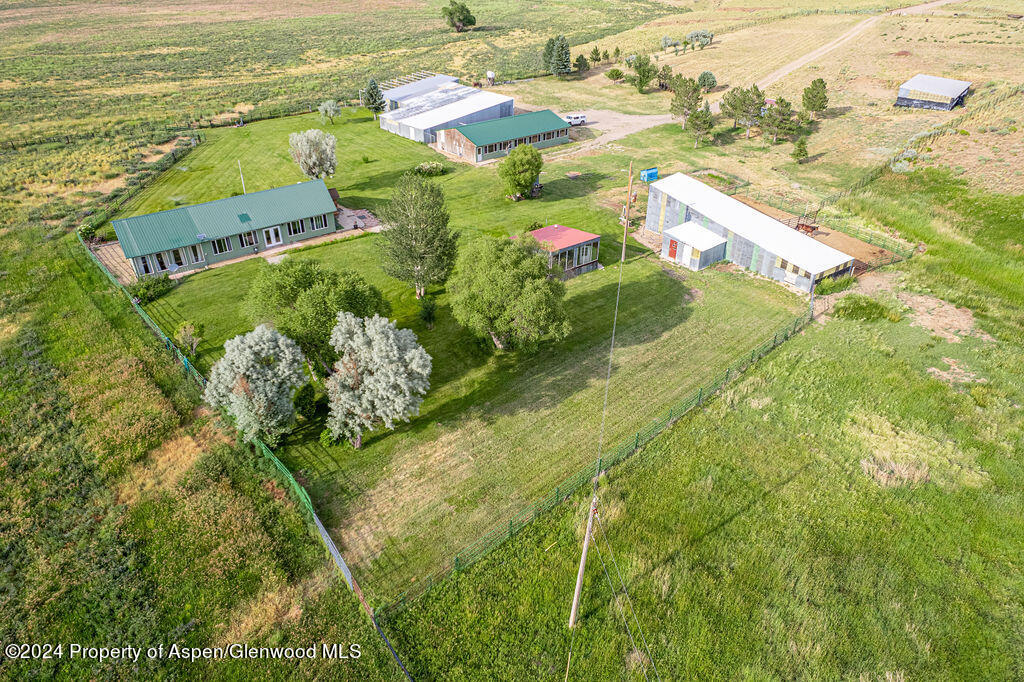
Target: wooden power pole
x: 629, y: 201
x: 583, y: 563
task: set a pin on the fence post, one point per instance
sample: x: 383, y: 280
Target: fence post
x: 636, y: 443
x: 700, y: 395
x: 456, y: 563
x: 511, y: 527
x: 598, y: 472
x: 728, y: 369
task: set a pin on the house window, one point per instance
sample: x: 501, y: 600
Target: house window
x: 247, y: 239
x: 161, y: 264
x: 197, y: 254
x: 319, y: 222
x: 295, y: 227
x: 144, y: 262
x: 221, y: 245
x: 586, y: 253
x: 178, y: 257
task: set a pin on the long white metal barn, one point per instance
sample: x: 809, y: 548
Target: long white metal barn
x: 699, y: 225
x: 446, y: 106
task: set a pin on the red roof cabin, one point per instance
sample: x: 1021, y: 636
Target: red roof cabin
x: 574, y: 250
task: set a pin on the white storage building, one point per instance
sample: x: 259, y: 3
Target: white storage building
x: 932, y: 92
x: 419, y: 118
x: 402, y: 92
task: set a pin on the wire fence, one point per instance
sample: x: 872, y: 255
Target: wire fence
x: 505, y: 530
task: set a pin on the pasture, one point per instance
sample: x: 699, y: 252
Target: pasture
x: 497, y: 430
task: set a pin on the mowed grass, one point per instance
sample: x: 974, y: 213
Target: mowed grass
x: 497, y: 431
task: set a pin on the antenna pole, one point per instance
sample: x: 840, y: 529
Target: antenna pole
x: 240, y: 175
x: 583, y: 564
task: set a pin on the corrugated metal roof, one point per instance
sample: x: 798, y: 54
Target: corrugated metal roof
x: 178, y: 227
x: 512, y: 127
x: 754, y: 226
x: 451, y: 113
x: 947, y: 87
x: 557, y: 237
x: 438, y: 97
x: 416, y: 88
x: 696, y: 235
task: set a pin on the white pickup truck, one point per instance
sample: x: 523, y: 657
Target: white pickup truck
x: 575, y: 119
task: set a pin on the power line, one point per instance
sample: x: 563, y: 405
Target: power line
x: 629, y: 599
x: 618, y: 607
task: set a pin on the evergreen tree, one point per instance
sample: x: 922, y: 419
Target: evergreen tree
x: 799, y: 149
x: 374, y: 98
x: 417, y: 247
x: 561, y: 59
x: 702, y: 122
x: 381, y: 376
x: 665, y: 77
x: 687, y: 98
x: 595, y: 55
x: 644, y: 71
x: 581, y: 65
x: 617, y: 55
x: 751, y: 107
x: 778, y: 120
x: 254, y: 382
x: 732, y: 104
x: 549, y: 54
x: 815, y: 98
x: 604, y: 56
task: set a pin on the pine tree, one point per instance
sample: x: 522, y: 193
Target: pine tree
x: 617, y: 55
x: 561, y: 59
x: 595, y: 55
x: 604, y: 56
x: 799, y: 149
x: 751, y: 106
x: 581, y: 65
x: 549, y: 53
x: 374, y: 98
x: 778, y: 120
x: 687, y: 98
x: 732, y: 104
x: 815, y: 98
x: 665, y: 77
x: 702, y: 122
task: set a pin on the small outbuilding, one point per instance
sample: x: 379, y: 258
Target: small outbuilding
x: 497, y: 137
x: 932, y: 92
x: 574, y: 250
x: 692, y: 245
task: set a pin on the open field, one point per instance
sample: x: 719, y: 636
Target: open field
x: 485, y: 444
x: 846, y: 511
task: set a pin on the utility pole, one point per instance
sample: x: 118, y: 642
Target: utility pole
x: 629, y: 197
x: 583, y: 563
x: 240, y: 175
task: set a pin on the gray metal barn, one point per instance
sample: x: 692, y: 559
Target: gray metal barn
x: 733, y: 231
x: 932, y: 92
x: 398, y: 92
x: 447, y: 106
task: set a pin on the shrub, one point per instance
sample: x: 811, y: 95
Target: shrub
x: 429, y: 168
x: 860, y: 307
x: 305, y: 401
x: 834, y: 284
x: 428, y: 311
x: 614, y: 74
x: 148, y: 289
x: 87, y: 231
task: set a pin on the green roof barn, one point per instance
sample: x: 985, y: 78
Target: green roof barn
x: 192, y: 237
x: 494, y: 138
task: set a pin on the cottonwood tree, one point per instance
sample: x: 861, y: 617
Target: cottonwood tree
x: 501, y: 289
x: 778, y: 120
x: 313, y: 150
x: 687, y: 98
x: 381, y: 376
x: 815, y: 97
x: 751, y: 106
x: 520, y: 169
x: 254, y: 382
x: 702, y: 122
x: 302, y: 298
x: 373, y: 98
x: 417, y: 247
x: 644, y: 71
x: 328, y: 110
x: 458, y: 16
x: 707, y: 80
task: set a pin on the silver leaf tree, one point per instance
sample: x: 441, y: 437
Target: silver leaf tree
x: 254, y: 382
x: 328, y: 110
x: 380, y: 377
x: 313, y: 150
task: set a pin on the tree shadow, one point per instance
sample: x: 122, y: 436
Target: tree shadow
x: 835, y: 112
x: 359, y: 119
x: 559, y: 188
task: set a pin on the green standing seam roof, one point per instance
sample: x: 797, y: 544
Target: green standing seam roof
x: 512, y: 127
x: 187, y: 225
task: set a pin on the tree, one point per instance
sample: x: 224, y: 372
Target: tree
x: 188, y: 336
x: 549, y: 54
x: 417, y: 247
x: 581, y: 64
x: 732, y: 104
x: 328, y: 110
x: 700, y: 38
x: 374, y: 98
x: 302, y: 298
x: 617, y: 54
x: 665, y: 77
x: 815, y: 99
x: 595, y: 55
x: 313, y: 150
x: 778, y: 120
x: 458, y: 16
x: 751, y: 106
x: 799, y: 149
x: 707, y: 80
x: 381, y: 376
x: 614, y: 73
x: 604, y: 56
x: 644, y: 71
x: 501, y: 288
x: 702, y: 122
x: 561, y: 59
x: 254, y: 382
x: 687, y: 98
x: 520, y: 169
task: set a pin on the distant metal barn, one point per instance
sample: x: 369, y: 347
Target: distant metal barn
x: 447, y: 106
x: 398, y: 92
x: 932, y: 92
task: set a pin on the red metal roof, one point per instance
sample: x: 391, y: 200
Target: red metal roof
x: 557, y: 237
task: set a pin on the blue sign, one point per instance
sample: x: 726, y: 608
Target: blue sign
x: 649, y: 174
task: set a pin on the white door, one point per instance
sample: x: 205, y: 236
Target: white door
x: 272, y: 236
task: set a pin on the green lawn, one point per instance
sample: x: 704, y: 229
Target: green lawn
x: 497, y: 431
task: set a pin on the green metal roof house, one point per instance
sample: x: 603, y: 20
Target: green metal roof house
x: 192, y: 237
x: 494, y: 138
